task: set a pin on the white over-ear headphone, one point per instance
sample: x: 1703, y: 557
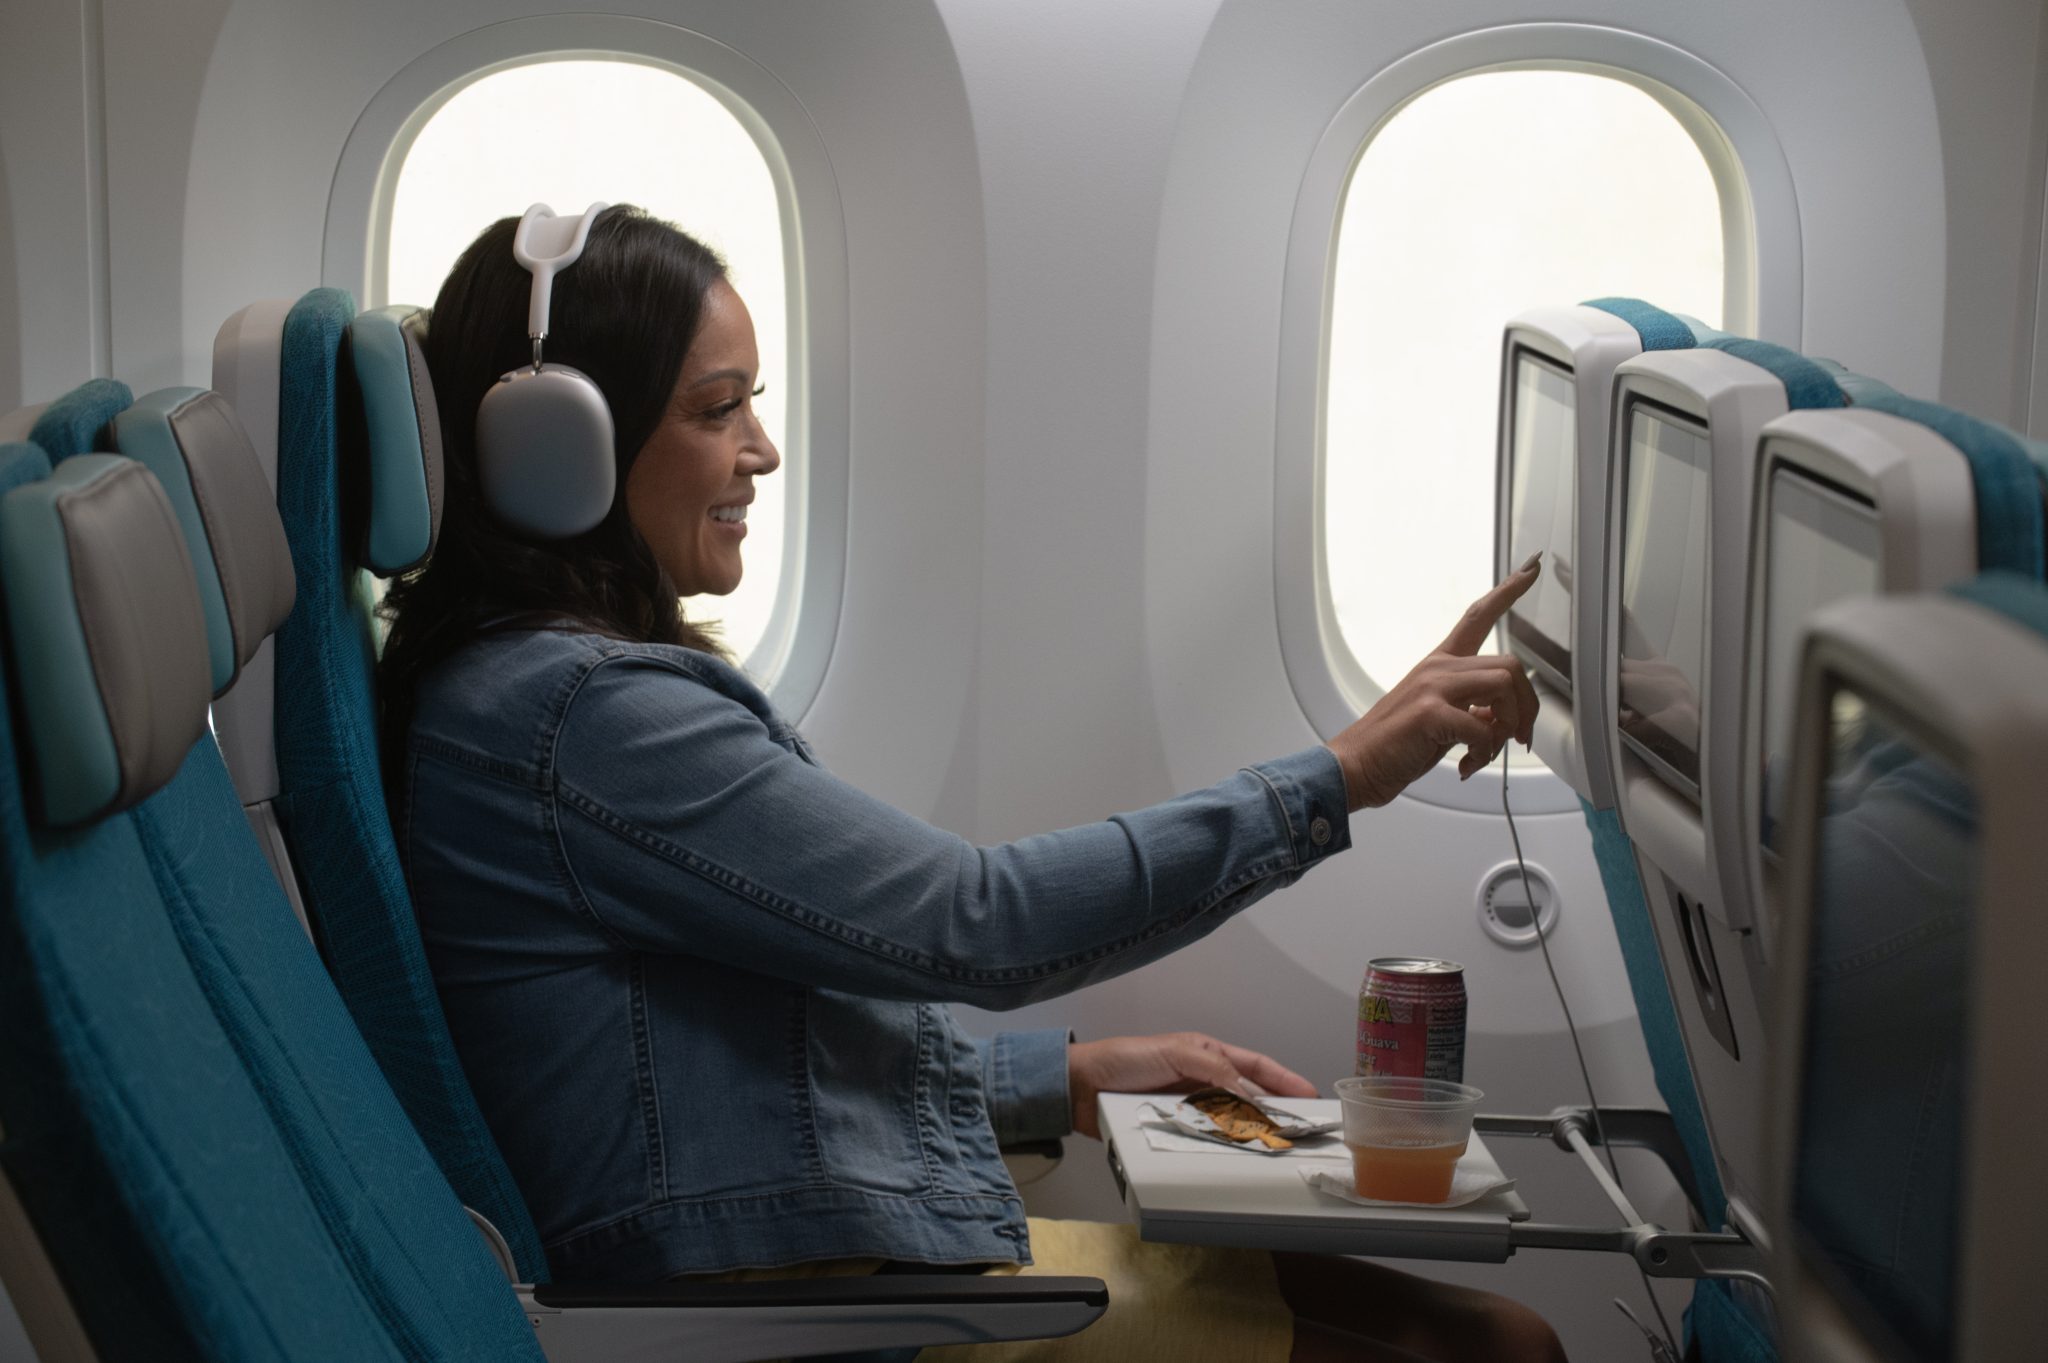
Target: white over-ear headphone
x: 544, y: 431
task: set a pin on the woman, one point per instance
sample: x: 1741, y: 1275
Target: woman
x: 699, y: 985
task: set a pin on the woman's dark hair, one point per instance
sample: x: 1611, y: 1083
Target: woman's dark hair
x: 625, y: 314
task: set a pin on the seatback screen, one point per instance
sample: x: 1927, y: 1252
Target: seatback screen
x: 1542, y: 512
x: 1664, y: 590
x: 1823, y: 546
x: 1877, y: 1163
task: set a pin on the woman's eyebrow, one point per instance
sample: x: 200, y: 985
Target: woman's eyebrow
x: 720, y: 374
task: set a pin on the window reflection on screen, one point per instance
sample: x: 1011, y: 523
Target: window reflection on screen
x: 1877, y: 1163
x: 1541, y: 513
x: 1823, y: 547
x: 1664, y: 590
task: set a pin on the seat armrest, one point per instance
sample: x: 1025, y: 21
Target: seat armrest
x: 711, y: 1322
x: 1030, y: 1161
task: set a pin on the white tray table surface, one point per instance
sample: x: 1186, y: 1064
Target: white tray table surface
x: 1255, y: 1201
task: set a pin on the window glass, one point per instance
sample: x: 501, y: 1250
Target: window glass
x: 1482, y: 197
x: 569, y: 133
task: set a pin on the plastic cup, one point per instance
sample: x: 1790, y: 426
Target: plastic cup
x: 1405, y: 1135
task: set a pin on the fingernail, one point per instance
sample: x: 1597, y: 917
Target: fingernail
x: 1531, y: 561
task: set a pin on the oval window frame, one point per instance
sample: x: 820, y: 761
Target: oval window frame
x: 1761, y: 296
x: 795, y: 650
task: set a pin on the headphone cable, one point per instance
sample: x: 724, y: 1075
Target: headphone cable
x: 1599, y: 1129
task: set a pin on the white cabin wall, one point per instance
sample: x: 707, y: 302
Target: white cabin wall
x: 53, y: 231
x: 1986, y: 60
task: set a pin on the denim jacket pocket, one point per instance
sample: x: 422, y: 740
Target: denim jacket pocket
x: 872, y: 1072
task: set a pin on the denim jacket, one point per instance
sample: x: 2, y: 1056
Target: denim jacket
x: 699, y: 984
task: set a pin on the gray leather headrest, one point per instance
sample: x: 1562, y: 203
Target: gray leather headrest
x: 107, y: 634
x: 402, y: 438
x: 194, y: 443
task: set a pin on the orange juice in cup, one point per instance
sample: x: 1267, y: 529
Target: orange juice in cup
x: 1406, y: 1134
x: 1405, y: 1173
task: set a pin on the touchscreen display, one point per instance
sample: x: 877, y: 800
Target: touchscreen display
x: 1664, y: 590
x: 1541, y: 511
x: 1823, y: 546
x: 1877, y: 1163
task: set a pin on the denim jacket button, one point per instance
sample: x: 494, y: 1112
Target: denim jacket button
x: 1319, y: 831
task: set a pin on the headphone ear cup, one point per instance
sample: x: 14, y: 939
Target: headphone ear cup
x: 544, y: 451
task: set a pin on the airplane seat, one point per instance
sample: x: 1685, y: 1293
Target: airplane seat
x: 138, y: 1147
x: 1916, y: 806
x: 76, y: 423
x: 1723, y: 1330
x: 1723, y: 1323
x: 1615, y: 857
x: 350, y: 411
x: 398, y: 1224
x: 2012, y: 534
x: 203, y: 1145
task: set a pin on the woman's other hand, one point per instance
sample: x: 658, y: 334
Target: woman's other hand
x: 1450, y: 697
x: 1176, y: 1062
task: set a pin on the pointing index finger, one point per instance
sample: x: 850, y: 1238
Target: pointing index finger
x: 1469, y: 634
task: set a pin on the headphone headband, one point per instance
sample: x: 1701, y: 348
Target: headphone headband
x: 544, y: 434
x: 546, y: 245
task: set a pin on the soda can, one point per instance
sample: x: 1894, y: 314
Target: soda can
x: 1411, y: 1018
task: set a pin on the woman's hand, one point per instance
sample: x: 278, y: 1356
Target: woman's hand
x: 1177, y: 1062
x: 1451, y: 697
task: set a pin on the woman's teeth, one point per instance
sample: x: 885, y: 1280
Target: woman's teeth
x: 733, y: 515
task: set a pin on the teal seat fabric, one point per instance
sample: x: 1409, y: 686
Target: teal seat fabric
x: 138, y: 1145
x: 2011, y: 536
x: 77, y: 422
x: 1658, y: 329
x: 1808, y: 383
x: 1721, y: 1329
x: 1616, y: 857
x: 331, y: 799
x: 425, y: 1270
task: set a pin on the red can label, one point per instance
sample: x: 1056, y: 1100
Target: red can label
x: 1411, y: 1018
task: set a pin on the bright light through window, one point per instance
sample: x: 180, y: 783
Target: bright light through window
x: 569, y: 133
x: 1484, y: 196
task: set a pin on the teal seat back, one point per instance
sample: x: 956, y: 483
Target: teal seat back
x: 330, y: 803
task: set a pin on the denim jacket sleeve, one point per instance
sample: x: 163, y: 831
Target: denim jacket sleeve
x: 685, y: 826
x: 1024, y: 1075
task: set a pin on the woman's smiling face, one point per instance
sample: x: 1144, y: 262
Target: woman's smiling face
x: 688, y: 491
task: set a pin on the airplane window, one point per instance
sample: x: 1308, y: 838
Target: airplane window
x: 571, y: 132
x: 1483, y: 196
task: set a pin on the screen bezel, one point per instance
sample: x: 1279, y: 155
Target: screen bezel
x: 1688, y: 786
x: 1840, y: 498
x: 1551, y: 659
x: 1814, y: 1263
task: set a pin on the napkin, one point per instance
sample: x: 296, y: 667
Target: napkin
x: 1471, y: 1181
